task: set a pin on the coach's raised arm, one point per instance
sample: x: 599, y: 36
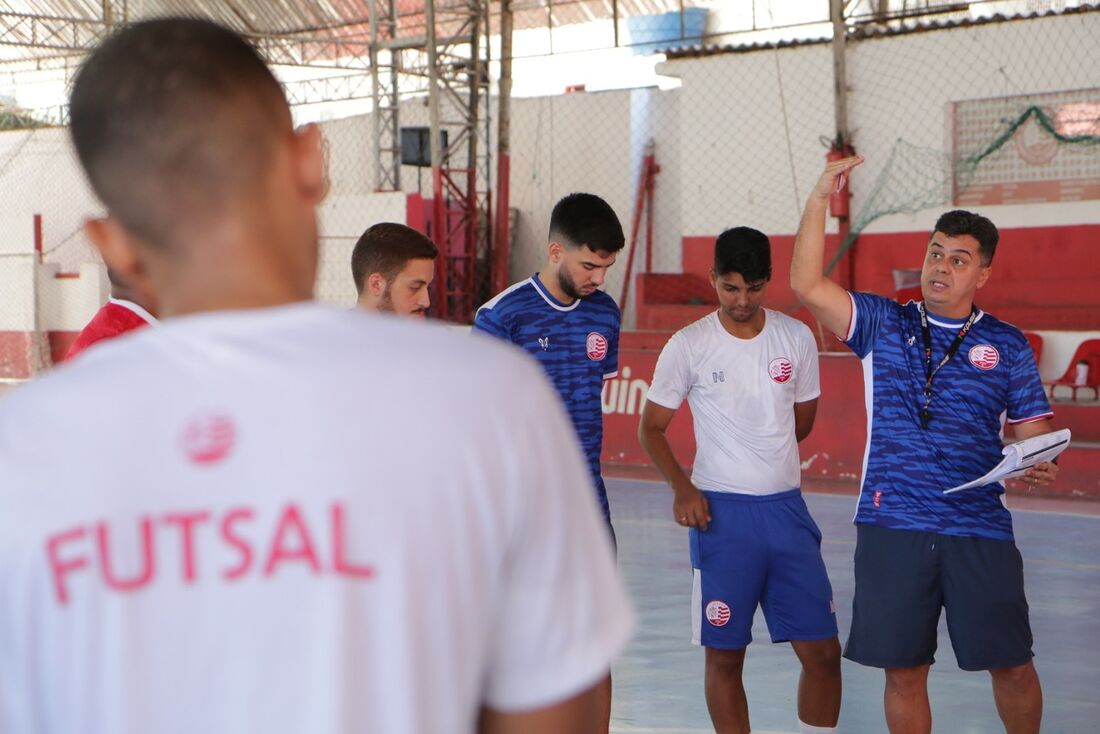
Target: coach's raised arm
x: 827, y: 301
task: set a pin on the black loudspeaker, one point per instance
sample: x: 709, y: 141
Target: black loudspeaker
x: 416, y: 147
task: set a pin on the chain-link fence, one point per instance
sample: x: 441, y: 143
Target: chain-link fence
x: 729, y: 127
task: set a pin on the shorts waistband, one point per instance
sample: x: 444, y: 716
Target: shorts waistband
x: 742, y: 497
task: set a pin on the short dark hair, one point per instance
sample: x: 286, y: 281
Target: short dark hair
x: 959, y: 222
x: 172, y: 120
x: 586, y: 220
x: 743, y: 250
x: 385, y: 248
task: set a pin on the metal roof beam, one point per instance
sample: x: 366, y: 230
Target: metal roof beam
x: 48, y: 32
x: 79, y: 34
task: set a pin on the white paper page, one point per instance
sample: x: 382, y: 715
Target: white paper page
x: 1021, y: 456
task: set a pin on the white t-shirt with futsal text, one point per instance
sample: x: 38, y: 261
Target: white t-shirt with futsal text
x: 296, y: 519
x: 742, y: 394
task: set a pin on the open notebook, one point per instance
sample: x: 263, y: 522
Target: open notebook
x: 1021, y: 456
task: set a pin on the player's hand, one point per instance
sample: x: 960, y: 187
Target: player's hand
x: 832, y: 180
x: 690, y: 508
x: 1041, y: 474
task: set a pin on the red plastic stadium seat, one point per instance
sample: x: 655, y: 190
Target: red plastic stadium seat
x: 1087, y: 354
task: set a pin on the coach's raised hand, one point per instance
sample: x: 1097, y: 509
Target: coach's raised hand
x: 832, y: 178
x: 827, y: 301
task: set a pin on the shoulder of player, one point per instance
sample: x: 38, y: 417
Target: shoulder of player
x: 1004, y: 334
x: 694, y: 336
x: 603, y: 301
x: 794, y: 329
x: 127, y: 312
x: 786, y: 322
x: 514, y: 296
x: 700, y: 328
x: 989, y: 322
x: 875, y: 300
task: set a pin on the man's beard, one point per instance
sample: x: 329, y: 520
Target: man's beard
x: 568, y: 287
x: 385, y: 304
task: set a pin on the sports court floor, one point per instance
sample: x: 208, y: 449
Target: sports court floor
x: 659, y: 681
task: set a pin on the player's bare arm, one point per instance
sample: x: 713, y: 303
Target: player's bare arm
x: 827, y: 300
x: 804, y: 415
x: 580, y: 714
x: 689, y: 506
x: 1042, y: 473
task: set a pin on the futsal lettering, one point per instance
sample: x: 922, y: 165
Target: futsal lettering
x: 254, y: 547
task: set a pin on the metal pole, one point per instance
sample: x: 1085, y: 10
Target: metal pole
x: 433, y: 90
x: 639, y: 206
x: 36, y: 362
x: 840, y: 71
x: 550, y: 23
x: 501, y: 240
x: 438, y: 224
x: 614, y: 19
x: 840, y: 106
x: 376, y: 95
x: 477, y: 71
x: 651, y: 180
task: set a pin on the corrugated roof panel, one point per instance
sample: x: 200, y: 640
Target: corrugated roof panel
x: 867, y: 31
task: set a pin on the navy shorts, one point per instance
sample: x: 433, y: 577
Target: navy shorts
x: 904, y: 578
x: 759, y: 550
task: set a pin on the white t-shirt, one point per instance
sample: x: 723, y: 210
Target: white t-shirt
x: 742, y: 394
x: 296, y: 520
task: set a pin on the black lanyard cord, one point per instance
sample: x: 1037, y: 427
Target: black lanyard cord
x: 929, y: 371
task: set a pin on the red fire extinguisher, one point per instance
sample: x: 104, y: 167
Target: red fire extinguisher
x: 838, y: 200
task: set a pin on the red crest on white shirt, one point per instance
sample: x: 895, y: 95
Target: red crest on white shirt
x: 596, y: 346
x: 718, y: 613
x: 984, y: 356
x: 209, y: 438
x: 780, y: 370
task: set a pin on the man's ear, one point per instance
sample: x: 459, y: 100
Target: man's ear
x: 376, y: 284
x: 983, y: 275
x: 119, y: 252
x: 310, y: 163
x: 555, y: 250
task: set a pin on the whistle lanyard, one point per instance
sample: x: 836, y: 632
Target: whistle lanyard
x: 929, y: 371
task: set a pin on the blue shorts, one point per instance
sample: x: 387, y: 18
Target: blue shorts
x: 762, y: 550
x: 905, y: 577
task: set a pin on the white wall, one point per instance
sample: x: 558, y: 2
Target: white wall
x: 17, y: 293
x: 739, y: 112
